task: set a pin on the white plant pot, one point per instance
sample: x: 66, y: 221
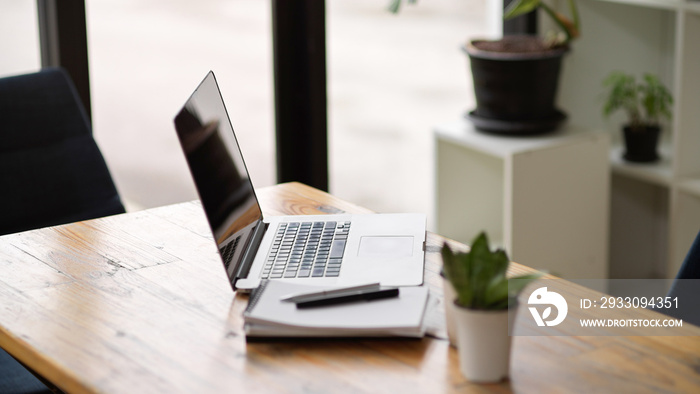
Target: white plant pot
x: 449, y: 300
x: 483, y: 343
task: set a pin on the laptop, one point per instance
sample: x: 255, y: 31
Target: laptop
x: 339, y: 249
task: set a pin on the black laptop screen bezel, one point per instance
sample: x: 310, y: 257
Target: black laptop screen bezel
x: 208, y: 141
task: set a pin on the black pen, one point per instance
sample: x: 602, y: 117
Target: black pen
x: 326, y: 293
x: 362, y: 295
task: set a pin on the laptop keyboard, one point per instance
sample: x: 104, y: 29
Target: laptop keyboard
x: 228, y: 251
x: 307, y: 250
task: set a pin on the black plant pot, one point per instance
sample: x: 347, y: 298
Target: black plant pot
x: 515, y: 92
x: 641, y: 143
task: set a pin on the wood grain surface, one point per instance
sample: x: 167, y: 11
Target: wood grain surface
x: 140, y: 303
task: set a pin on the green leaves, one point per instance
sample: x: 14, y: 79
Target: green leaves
x: 479, y: 276
x: 656, y: 99
x: 645, y: 103
x: 520, y: 7
x: 395, y: 5
x: 570, y: 27
x: 622, y: 95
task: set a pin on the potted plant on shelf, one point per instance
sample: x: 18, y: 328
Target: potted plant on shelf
x: 516, y: 78
x: 484, y: 308
x: 646, y: 104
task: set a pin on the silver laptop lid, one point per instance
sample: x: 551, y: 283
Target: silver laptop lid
x: 220, y: 176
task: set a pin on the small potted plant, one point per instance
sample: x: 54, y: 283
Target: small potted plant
x: 485, y: 304
x: 646, y: 104
x: 516, y: 78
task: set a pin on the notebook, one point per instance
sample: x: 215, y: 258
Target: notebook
x: 268, y: 316
x: 340, y: 250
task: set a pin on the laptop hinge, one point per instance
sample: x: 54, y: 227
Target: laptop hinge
x: 251, y: 250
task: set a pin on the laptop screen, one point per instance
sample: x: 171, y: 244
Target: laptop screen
x: 219, y: 173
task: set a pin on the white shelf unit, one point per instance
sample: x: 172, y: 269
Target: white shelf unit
x: 544, y: 198
x: 655, y: 208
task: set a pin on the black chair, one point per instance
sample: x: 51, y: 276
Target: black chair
x: 51, y: 169
x: 686, y: 287
x: 51, y: 172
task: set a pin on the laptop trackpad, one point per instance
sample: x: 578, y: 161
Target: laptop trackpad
x: 386, y: 246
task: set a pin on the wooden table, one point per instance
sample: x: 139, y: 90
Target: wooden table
x: 139, y: 303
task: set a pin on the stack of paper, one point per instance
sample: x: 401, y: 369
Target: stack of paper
x: 268, y: 316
